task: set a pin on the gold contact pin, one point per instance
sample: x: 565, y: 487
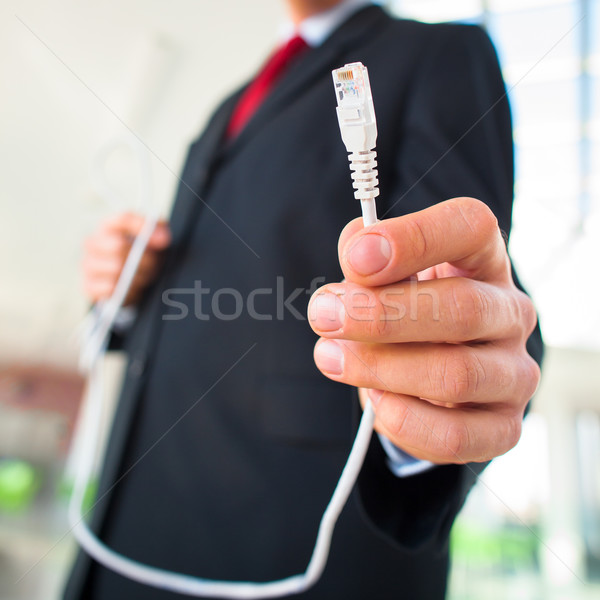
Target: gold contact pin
x: 346, y: 75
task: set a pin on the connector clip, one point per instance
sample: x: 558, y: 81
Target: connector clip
x: 355, y: 111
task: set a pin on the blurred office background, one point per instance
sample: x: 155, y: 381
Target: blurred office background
x: 75, y: 77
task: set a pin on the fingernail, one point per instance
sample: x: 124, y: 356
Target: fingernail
x: 329, y: 357
x: 370, y: 254
x: 327, y: 312
x: 375, y: 396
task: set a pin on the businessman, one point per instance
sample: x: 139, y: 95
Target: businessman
x: 420, y: 313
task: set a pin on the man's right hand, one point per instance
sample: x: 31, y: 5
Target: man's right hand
x: 106, y: 251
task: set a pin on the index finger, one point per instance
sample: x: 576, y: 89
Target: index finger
x: 463, y: 232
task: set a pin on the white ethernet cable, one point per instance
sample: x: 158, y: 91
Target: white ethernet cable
x: 359, y: 132
x: 97, y: 327
x: 356, y: 116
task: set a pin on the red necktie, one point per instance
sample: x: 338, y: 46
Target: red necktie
x: 257, y: 91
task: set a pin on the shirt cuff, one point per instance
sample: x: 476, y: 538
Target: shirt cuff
x: 400, y: 463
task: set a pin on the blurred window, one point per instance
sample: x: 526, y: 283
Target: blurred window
x: 550, y: 57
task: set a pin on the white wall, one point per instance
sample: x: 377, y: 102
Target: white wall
x: 70, y: 71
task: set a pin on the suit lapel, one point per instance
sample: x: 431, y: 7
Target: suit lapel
x: 200, y: 163
x: 308, y: 69
x: 210, y: 150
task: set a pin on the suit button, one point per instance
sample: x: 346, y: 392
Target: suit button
x: 136, y: 367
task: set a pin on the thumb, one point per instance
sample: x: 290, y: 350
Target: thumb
x: 129, y: 225
x: 161, y: 236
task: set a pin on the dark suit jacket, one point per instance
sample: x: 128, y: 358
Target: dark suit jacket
x: 236, y: 488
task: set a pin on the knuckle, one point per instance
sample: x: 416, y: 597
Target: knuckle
x: 469, y: 310
x: 455, y: 441
x: 527, y: 313
x: 477, y: 215
x: 515, y: 315
x: 398, y: 422
x: 365, y: 313
x: 417, y: 239
x: 377, y: 329
x: 370, y: 364
x: 392, y: 310
x: 512, y: 433
x: 462, y: 375
x: 530, y: 377
x: 383, y: 323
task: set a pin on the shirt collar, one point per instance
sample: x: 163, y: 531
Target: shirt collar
x: 316, y: 29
